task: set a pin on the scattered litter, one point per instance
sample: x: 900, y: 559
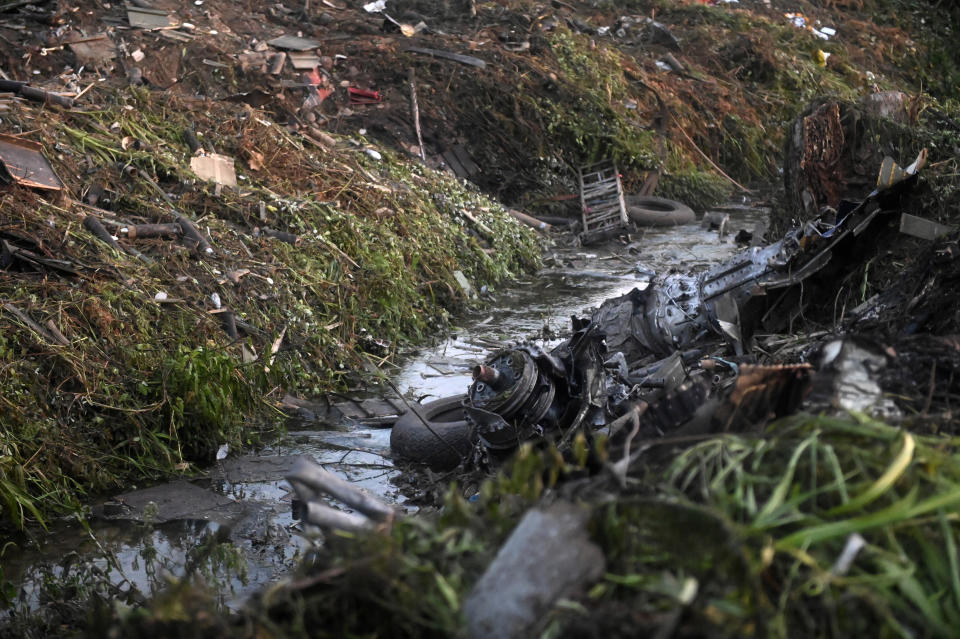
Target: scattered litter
x: 21, y: 161
x: 516, y: 47
x: 922, y: 228
x: 294, y: 43
x: 363, y: 96
x: 303, y: 61
x: 456, y: 57
x: 214, y: 168
x: 856, y: 368
x: 222, y: 452
x: 24, y: 90
x: 142, y: 18
x: 464, y: 284
x: 855, y: 543
x: 374, y: 154
x: 93, y: 50
x: 802, y: 22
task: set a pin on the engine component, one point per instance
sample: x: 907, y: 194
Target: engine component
x: 511, y: 394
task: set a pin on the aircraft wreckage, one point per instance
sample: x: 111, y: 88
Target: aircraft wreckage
x: 645, y: 362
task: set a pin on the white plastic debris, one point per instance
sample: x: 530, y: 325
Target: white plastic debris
x: 222, y: 452
x: 215, y: 299
x: 374, y: 154
x: 160, y: 297
x: 137, y: 55
x: 851, y: 549
x: 375, y: 7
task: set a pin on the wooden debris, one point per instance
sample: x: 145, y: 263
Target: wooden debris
x: 33, y: 326
x: 283, y: 236
x: 192, y: 235
x: 276, y: 63
x: 529, y: 220
x: 93, y: 224
x: 411, y: 78
x: 145, y: 231
x: 303, y: 61
x: 10, y: 252
x: 28, y: 92
x: 57, y: 335
x: 456, y: 57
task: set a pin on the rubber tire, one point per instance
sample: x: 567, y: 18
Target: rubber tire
x: 649, y: 210
x: 412, y: 441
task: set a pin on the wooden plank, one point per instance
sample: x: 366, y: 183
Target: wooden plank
x: 468, y: 164
x: 451, y: 159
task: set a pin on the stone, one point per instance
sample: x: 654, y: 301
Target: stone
x: 547, y: 557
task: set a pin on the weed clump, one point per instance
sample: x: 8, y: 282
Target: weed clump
x: 170, y: 354
x: 817, y: 527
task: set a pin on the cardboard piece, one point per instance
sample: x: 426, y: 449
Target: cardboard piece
x: 214, y: 168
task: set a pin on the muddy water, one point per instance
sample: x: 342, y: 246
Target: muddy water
x: 246, y: 495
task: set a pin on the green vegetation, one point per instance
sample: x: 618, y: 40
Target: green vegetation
x: 739, y: 535
x: 149, y: 380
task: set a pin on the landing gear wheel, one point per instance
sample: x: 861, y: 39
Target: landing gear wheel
x: 443, y: 448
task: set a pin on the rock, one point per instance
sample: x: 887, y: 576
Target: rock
x: 547, y: 556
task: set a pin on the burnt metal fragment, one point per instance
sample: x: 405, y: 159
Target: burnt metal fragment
x: 606, y: 370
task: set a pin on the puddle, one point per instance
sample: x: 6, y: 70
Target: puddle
x: 265, y: 541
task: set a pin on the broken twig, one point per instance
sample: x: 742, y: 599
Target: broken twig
x: 707, y: 158
x: 416, y: 112
x: 29, y: 323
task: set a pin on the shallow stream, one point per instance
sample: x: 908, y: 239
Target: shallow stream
x: 150, y: 533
